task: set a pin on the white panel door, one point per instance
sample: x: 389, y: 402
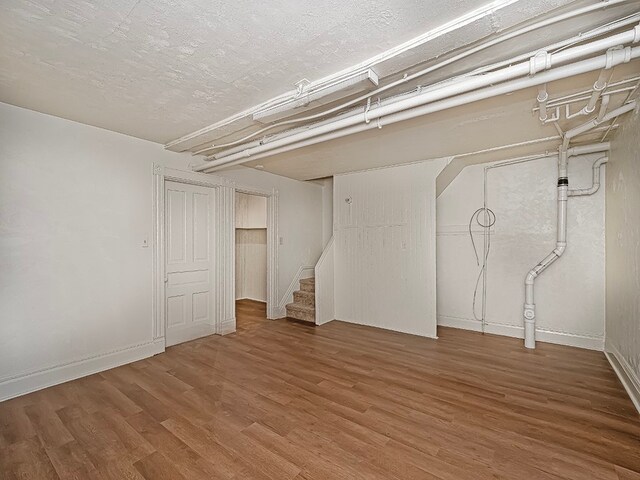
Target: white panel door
x: 189, y: 256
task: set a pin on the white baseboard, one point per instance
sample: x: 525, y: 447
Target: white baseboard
x: 252, y: 299
x: 559, y: 338
x: 30, y: 382
x: 228, y: 326
x: 625, y: 373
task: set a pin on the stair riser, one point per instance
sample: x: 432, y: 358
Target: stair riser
x: 305, y: 298
x: 301, y: 315
x: 307, y: 287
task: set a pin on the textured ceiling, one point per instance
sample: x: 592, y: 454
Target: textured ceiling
x: 158, y: 69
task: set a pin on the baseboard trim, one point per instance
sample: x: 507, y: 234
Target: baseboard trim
x: 252, y: 299
x: 228, y: 326
x: 548, y: 336
x: 48, y: 377
x: 625, y: 373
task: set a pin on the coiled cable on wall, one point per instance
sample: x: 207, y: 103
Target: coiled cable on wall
x: 488, y: 220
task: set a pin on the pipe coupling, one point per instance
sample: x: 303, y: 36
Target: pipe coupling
x: 560, y: 248
x: 636, y: 36
x: 617, y: 55
x: 529, y: 311
x: 539, y: 62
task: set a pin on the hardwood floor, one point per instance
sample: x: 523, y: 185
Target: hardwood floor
x: 282, y: 400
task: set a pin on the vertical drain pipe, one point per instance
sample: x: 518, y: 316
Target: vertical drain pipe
x: 561, y: 245
x: 564, y: 152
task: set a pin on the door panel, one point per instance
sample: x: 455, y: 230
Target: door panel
x: 189, y: 294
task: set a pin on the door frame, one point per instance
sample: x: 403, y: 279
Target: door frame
x: 272, y: 244
x: 223, y: 223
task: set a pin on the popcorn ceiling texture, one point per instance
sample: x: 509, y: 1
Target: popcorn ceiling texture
x: 158, y: 69
x: 623, y: 246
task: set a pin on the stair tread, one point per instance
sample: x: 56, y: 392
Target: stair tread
x: 305, y: 293
x: 308, y: 280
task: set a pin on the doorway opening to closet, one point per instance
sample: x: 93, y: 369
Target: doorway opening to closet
x: 251, y: 258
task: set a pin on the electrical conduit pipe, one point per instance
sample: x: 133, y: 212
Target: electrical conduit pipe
x: 281, y: 146
x: 537, y: 63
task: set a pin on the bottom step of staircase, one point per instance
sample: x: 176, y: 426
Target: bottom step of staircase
x: 301, y: 312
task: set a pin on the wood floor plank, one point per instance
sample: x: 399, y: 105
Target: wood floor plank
x: 281, y: 400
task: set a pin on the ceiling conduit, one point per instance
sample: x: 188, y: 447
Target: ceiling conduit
x: 537, y: 71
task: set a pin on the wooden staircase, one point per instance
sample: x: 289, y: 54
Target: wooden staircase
x: 303, y: 307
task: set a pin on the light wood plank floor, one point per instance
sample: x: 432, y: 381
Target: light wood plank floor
x: 282, y: 400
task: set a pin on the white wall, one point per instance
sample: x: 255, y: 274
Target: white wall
x: 75, y: 279
x: 251, y: 247
x: 299, y: 220
x: 251, y: 264
x: 623, y: 251
x: 251, y: 211
x: 385, y: 274
x: 327, y: 210
x: 569, y: 295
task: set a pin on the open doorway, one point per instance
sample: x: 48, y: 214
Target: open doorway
x: 251, y: 258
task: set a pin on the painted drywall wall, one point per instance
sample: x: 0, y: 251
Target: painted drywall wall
x: 569, y: 295
x: 384, y: 234
x: 251, y: 211
x: 251, y: 247
x: 251, y: 264
x: 623, y: 250
x: 75, y: 212
x: 327, y: 210
x: 299, y: 221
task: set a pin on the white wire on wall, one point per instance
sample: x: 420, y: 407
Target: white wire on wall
x: 486, y: 219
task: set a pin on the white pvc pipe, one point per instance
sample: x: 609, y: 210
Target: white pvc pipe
x: 529, y: 310
x: 543, y: 96
x: 598, y: 87
x: 595, y: 181
x: 537, y: 63
x: 309, y: 137
x: 496, y: 41
x: 604, y: 105
x: 587, y: 149
x: 595, y: 122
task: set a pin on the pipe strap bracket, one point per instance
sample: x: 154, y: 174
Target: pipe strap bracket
x: 539, y: 62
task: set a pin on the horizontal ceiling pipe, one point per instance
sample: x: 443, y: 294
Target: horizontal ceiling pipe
x: 305, y: 139
x: 585, y: 127
x: 586, y: 149
x: 584, y: 94
x: 238, y: 145
x: 496, y: 41
x: 537, y: 63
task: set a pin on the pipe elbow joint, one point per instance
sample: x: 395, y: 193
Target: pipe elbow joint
x: 560, y: 248
x: 531, y: 277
